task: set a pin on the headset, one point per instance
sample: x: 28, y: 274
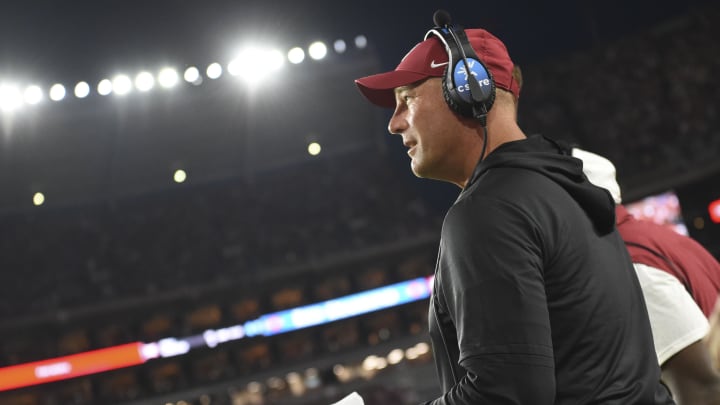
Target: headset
x: 467, y: 97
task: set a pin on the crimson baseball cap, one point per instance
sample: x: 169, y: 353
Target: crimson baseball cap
x: 429, y: 59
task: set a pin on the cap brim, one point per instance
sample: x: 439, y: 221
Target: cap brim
x: 379, y: 89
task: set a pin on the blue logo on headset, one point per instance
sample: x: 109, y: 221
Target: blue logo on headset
x: 478, y: 72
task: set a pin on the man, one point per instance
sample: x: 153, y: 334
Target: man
x: 535, y: 301
x: 680, y: 281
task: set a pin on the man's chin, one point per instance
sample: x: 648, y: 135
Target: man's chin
x: 418, y: 170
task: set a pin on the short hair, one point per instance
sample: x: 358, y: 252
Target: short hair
x: 517, y: 76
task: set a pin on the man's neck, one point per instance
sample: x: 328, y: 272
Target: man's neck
x: 502, y: 132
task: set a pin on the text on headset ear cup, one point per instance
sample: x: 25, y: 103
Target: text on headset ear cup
x: 463, y: 104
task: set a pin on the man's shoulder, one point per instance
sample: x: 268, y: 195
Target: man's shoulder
x: 512, y: 181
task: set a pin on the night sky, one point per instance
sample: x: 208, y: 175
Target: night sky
x: 69, y: 40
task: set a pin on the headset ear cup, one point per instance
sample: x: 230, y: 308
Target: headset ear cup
x: 451, y: 100
x: 460, y: 106
x: 491, y: 97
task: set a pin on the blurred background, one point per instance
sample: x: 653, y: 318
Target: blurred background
x: 198, y: 207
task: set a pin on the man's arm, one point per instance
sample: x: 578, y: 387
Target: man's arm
x: 496, y: 298
x: 691, y: 377
x: 712, y: 340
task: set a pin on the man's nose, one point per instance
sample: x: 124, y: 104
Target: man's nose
x: 398, y: 123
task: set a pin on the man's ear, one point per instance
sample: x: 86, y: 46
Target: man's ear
x: 517, y: 76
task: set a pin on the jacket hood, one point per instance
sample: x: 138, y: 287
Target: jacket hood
x: 553, y: 160
x: 600, y: 171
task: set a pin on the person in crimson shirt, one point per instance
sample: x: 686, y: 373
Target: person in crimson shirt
x: 535, y: 299
x: 680, y: 280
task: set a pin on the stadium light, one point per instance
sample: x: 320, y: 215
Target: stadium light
x: 192, y: 75
x: 144, y: 81
x: 276, y: 383
x: 82, y: 90
x: 104, y: 87
x: 317, y: 50
x: 253, y: 64
x: 342, y: 373
x: 214, y: 70
x: 416, y: 351
x: 38, y: 199
x: 314, y: 148
x: 168, y: 77
x: 33, y: 95
x: 254, y: 387
x: 121, y: 85
x: 371, y: 362
x: 360, y: 41
x: 295, y: 381
x: 296, y: 55
x: 395, y: 356
x: 312, y: 378
x: 235, y: 67
x: 10, y: 97
x: 57, y: 92
x: 340, y: 46
x: 180, y: 176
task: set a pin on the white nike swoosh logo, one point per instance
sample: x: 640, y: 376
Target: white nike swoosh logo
x: 434, y: 65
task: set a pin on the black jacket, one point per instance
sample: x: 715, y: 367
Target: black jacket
x: 535, y: 299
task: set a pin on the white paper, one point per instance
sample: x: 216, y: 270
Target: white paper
x: 352, y: 399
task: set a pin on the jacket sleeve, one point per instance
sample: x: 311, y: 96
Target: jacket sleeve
x: 495, y: 295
